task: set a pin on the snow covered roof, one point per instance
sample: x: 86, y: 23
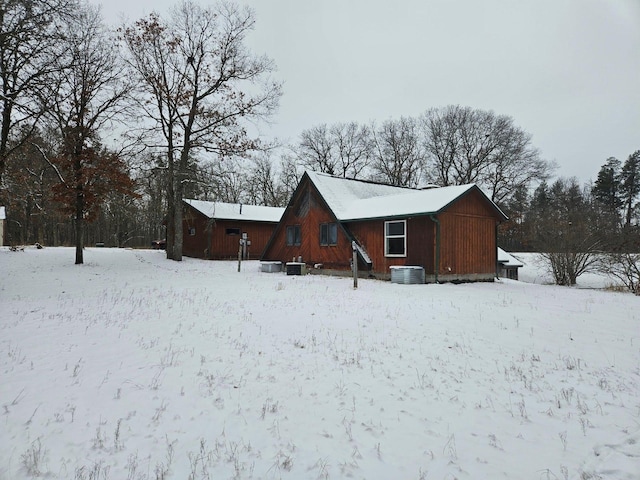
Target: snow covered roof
x: 3, y: 215
x: 237, y: 211
x: 508, y: 260
x: 359, y: 200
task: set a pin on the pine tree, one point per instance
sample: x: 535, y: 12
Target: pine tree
x: 606, y: 190
x: 512, y: 234
x: 562, y: 229
x: 630, y: 184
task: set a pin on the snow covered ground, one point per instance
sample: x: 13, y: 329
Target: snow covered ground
x: 135, y: 367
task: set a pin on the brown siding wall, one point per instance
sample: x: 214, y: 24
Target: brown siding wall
x: 420, y: 243
x: 194, y: 245
x: 473, y: 204
x: 309, y: 211
x: 222, y: 246
x: 468, y: 239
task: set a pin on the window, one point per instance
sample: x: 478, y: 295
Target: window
x: 233, y: 231
x: 328, y: 234
x: 293, y: 235
x: 395, y: 238
x: 192, y: 231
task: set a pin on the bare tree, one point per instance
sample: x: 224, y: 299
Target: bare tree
x: 624, y: 266
x: 227, y: 180
x: 353, y: 148
x: 622, y: 257
x: 315, y: 150
x: 203, y: 85
x: 464, y: 145
x: 397, y: 155
x: 29, y: 35
x: 290, y: 175
x: 514, y: 165
x: 89, y: 90
x: 30, y: 181
x: 152, y: 183
x: 342, y: 149
x: 264, y: 187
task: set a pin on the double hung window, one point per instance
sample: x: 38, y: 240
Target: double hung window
x: 395, y: 238
x: 328, y: 234
x: 294, y: 235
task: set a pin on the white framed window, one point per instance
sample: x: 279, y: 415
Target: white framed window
x: 395, y: 238
x: 192, y: 231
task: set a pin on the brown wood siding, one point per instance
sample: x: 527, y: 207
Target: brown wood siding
x: 222, y: 245
x: 467, y: 243
x: 194, y: 245
x: 468, y: 237
x: 309, y: 211
x: 473, y: 203
x: 420, y: 243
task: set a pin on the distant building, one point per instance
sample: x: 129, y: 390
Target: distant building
x: 213, y: 230
x: 508, y: 265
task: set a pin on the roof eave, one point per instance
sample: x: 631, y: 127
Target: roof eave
x: 389, y: 217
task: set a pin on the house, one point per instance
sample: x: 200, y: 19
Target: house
x: 449, y: 231
x: 3, y: 225
x: 508, y: 265
x: 214, y: 230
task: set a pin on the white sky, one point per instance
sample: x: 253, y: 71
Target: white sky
x: 567, y: 71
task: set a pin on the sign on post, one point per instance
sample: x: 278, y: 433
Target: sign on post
x: 242, y: 248
x: 354, y: 263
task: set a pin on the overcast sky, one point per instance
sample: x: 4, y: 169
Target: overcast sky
x: 566, y: 71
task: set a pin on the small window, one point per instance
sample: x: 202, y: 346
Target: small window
x: 395, y: 238
x: 293, y: 235
x: 233, y: 231
x: 192, y: 231
x: 328, y: 234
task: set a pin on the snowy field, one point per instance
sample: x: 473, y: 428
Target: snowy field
x: 534, y: 270
x: 135, y: 367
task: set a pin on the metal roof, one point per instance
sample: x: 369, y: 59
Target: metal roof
x: 508, y: 260
x: 237, y: 211
x: 360, y: 200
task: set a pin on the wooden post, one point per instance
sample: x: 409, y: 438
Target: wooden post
x: 355, y: 264
x: 239, y: 254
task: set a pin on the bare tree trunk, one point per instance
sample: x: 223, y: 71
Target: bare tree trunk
x: 180, y: 177
x: 171, y: 210
x: 177, y: 246
x: 79, y: 241
x: 4, y: 136
x: 79, y: 213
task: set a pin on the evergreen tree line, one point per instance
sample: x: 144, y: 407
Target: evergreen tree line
x: 604, y: 214
x: 579, y: 229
